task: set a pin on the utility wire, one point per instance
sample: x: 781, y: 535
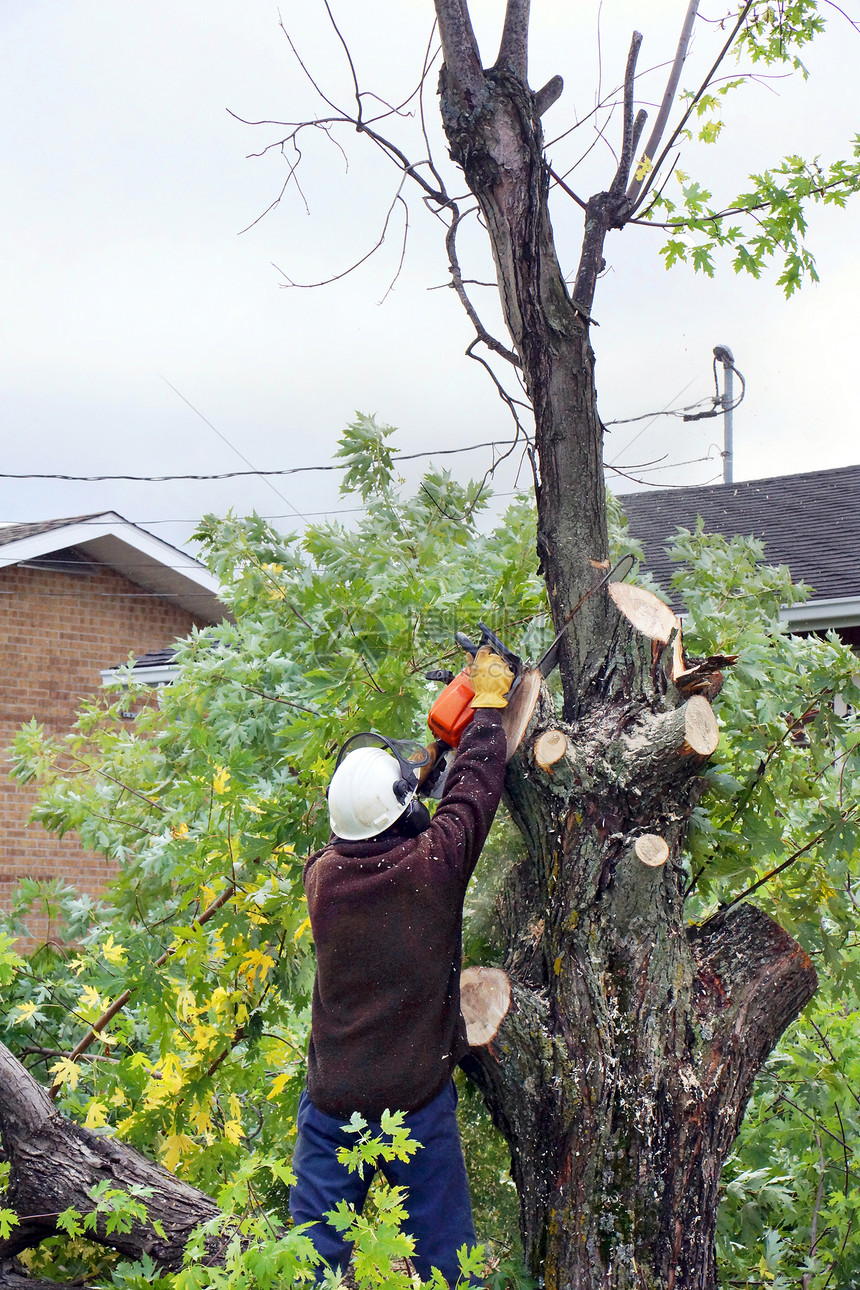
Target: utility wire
x: 232, y: 447
x: 240, y: 474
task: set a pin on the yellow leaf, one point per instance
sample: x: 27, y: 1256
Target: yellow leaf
x: 24, y: 1010
x: 66, y: 1072
x: 96, y: 1115
x: 233, y: 1131
x: 179, y: 830
x: 219, y: 1000
x: 300, y: 931
x: 278, y: 1085
x: 201, y: 1119
x: 90, y: 1003
x: 221, y: 780
x: 113, y: 953
x: 644, y: 168
x: 201, y: 1034
x: 174, y: 1145
x: 256, y: 963
x: 185, y: 1002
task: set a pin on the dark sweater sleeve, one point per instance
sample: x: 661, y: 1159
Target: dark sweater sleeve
x: 472, y: 793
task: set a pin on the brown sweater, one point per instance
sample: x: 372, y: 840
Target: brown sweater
x: 386, y: 914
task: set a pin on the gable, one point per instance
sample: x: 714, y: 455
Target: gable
x: 108, y: 539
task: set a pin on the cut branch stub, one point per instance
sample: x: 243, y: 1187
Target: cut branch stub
x: 549, y: 748
x: 651, y: 617
x: 651, y: 849
x: 672, y: 743
x: 485, y: 997
x: 517, y: 715
x: 701, y: 732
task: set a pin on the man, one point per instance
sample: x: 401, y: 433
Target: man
x: 385, y: 899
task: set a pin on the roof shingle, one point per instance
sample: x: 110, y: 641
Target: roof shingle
x: 811, y: 522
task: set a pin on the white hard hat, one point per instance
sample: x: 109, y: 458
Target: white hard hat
x: 361, y: 797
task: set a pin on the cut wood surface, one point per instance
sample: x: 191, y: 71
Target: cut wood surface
x: 650, y: 616
x: 702, y: 734
x: 550, y: 747
x: 516, y: 716
x: 652, y: 850
x: 485, y: 997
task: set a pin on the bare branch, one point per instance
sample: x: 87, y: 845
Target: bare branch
x: 507, y: 398
x: 628, y: 138
x: 693, y: 101
x: 336, y: 277
x: 339, y: 35
x: 304, y: 68
x: 457, y: 282
x: 668, y: 99
x: 392, y: 283
x: 558, y: 179
x: 514, y: 47
x: 430, y: 56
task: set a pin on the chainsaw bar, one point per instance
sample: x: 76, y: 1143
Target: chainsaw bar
x: 549, y: 660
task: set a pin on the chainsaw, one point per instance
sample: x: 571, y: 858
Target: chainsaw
x: 452, y: 711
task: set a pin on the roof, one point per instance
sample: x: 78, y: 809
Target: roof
x: 156, y: 667
x: 811, y: 522
x: 138, y: 555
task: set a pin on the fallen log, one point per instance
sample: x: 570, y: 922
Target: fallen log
x: 55, y: 1165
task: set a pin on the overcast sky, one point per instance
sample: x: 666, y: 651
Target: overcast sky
x: 126, y: 186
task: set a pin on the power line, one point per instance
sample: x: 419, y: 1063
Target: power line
x: 232, y: 447
x: 241, y: 474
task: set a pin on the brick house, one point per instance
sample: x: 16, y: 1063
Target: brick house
x: 77, y: 596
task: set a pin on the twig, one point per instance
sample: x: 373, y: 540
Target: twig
x: 119, y: 1003
x: 792, y: 859
x: 694, y: 100
x: 457, y: 282
x: 668, y: 99
x: 339, y: 35
x: 344, y: 273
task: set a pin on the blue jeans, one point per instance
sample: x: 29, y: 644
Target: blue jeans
x: 440, y: 1213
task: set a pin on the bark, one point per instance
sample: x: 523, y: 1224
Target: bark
x: 55, y: 1165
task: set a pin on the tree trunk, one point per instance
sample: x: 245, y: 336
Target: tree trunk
x: 621, y: 1072
x: 55, y: 1165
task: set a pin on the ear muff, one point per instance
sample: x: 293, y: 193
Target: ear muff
x: 414, y: 820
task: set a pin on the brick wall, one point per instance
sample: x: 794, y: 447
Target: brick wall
x: 58, y: 630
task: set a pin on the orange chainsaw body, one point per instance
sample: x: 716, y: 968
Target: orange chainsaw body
x: 451, y: 713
